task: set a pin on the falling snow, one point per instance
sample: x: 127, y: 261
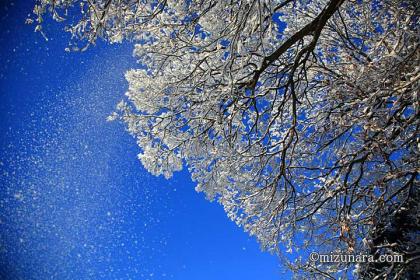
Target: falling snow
x: 74, y: 198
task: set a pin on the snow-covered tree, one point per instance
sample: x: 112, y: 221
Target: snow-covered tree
x: 300, y: 117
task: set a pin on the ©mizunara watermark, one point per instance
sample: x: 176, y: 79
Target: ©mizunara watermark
x: 350, y: 258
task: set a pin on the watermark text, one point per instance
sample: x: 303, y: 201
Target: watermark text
x: 352, y: 258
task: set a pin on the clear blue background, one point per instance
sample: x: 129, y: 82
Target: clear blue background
x: 75, y: 203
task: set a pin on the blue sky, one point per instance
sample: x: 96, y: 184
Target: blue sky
x: 75, y: 203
